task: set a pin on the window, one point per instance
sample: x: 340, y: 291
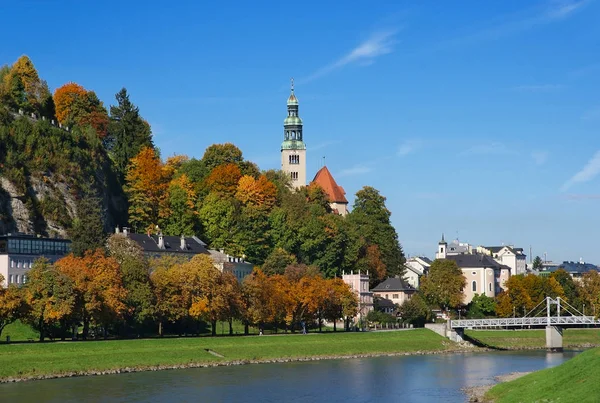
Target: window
x: 12, y: 263
x: 490, y: 286
x: 387, y: 296
x: 394, y: 296
x: 474, y: 273
x: 17, y: 279
x: 442, y: 249
x: 474, y: 286
x: 24, y: 278
x: 294, y: 176
x: 294, y: 159
x: 10, y: 279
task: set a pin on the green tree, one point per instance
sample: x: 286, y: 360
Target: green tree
x: 135, y: 272
x: 443, y: 285
x: 370, y: 214
x: 219, y: 218
x: 415, y: 311
x: 277, y: 261
x: 87, y: 233
x: 537, y: 263
x: 568, y: 285
x: 481, y: 306
x: 220, y: 154
x: 128, y: 132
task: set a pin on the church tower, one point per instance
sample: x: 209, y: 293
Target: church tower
x: 293, y: 149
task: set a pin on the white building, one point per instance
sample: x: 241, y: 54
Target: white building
x: 508, y: 256
x: 415, y: 268
x: 359, y: 283
x: 19, y: 251
x: 394, y: 289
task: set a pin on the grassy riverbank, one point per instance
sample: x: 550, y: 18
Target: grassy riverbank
x: 525, y: 339
x: 39, y: 360
x: 577, y: 380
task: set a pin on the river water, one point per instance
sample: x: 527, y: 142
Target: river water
x: 428, y: 378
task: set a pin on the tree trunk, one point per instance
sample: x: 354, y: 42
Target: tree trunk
x: 230, y: 326
x: 213, y: 324
x: 41, y: 326
x: 334, y: 325
x: 160, y: 328
x: 246, y: 329
x: 320, y: 323
x: 63, y: 329
x: 86, y: 328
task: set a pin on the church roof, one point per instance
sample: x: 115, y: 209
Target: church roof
x: 292, y: 100
x: 335, y: 192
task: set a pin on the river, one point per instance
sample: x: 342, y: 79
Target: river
x: 423, y: 378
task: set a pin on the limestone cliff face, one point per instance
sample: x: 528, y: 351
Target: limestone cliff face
x: 48, y: 207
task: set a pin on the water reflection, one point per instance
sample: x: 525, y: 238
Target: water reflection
x: 385, y: 379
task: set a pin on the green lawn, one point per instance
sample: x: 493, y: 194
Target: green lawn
x: 577, y: 380
x: 19, y: 332
x: 35, y: 359
x: 515, y: 339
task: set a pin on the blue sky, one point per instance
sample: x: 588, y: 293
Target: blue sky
x: 476, y: 119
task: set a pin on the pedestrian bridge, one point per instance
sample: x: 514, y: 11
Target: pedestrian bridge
x: 554, y: 321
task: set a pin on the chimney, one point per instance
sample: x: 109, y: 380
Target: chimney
x: 182, y: 243
x: 161, y: 241
x: 117, y: 229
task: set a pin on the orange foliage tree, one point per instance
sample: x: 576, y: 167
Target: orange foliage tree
x: 75, y: 104
x: 256, y: 192
x: 223, y: 179
x: 147, y: 182
x: 98, y: 287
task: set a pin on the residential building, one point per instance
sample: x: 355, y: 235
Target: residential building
x: 510, y: 256
x: 575, y: 269
x: 384, y: 305
x: 484, y: 275
x: 335, y: 193
x: 416, y: 267
x: 395, y: 289
x: 359, y: 283
x: 293, y: 148
x: 454, y: 248
x: 188, y: 247
x: 19, y: 251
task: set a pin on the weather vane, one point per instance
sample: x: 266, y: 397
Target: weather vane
x: 292, y: 84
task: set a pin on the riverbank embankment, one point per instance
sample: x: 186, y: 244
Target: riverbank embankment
x: 577, y: 380
x: 533, y: 339
x: 30, y: 361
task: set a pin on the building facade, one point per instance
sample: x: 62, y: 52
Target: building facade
x: 394, y: 289
x: 293, y: 149
x: 359, y: 283
x: 19, y: 251
x: 509, y: 256
x: 416, y: 267
x: 483, y: 274
x: 155, y: 246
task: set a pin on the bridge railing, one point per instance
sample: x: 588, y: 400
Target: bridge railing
x: 526, y: 321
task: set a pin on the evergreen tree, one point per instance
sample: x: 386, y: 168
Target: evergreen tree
x: 128, y: 133
x: 87, y: 233
x: 370, y: 214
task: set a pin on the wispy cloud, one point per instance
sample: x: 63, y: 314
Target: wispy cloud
x: 586, y: 174
x: 378, y: 44
x: 408, y: 147
x: 359, y: 169
x: 493, y: 148
x: 538, y: 88
x: 539, y: 157
x: 552, y: 12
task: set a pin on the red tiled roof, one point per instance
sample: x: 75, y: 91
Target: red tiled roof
x: 335, y: 192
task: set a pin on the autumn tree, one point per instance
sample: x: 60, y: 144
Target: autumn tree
x: 76, y: 105
x: 340, y: 301
x: 415, y: 311
x: 223, y: 179
x: 370, y: 214
x: 170, y: 305
x: 98, y: 288
x: 11, y: 304
x: 443, y: 285
x: 221, y: 154
x: 147, y: 185
x: 515, y: 299
x: 212, y: 301
x: 259, y: 193
x: 128, y: 132
x: 49, y: 295
x: 22, y: 88
x: 263, y: 299
x: 589, y: 289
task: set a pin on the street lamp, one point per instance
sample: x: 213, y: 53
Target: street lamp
x: 514, y: 312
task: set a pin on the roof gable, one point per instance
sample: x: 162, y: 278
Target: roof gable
x: 393, y: 284
x: 325, y: 180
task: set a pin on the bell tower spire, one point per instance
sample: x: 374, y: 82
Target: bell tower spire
x: 293, y: 149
